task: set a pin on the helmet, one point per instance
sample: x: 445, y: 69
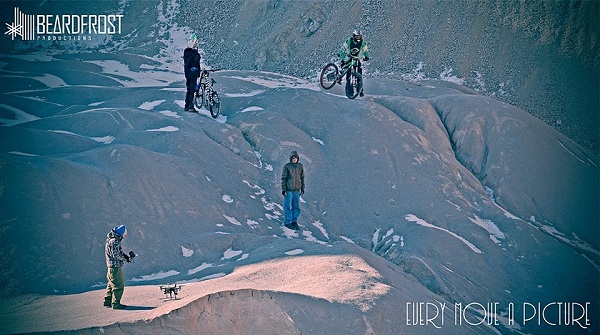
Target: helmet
x: 357, y: 34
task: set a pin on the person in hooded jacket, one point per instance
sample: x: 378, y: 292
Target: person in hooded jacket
x: 115, y: 257
x: 292, y: 187
x: 191, y: 68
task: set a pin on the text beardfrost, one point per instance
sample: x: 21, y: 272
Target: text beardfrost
x: 78, y: 24
x: 552, y: 314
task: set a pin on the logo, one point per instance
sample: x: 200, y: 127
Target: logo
x: 62, y: 27
x: 23, y: 26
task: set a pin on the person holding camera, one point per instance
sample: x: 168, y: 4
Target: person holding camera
x: 115, y: 257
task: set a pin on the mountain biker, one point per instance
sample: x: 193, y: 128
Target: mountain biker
x: 354, y: 42
x: 191, y: 68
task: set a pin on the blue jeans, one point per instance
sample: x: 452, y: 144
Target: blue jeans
x: 291, y: 205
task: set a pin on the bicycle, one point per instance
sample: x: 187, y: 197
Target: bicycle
x: 331, y: 74
x: 206, y: 95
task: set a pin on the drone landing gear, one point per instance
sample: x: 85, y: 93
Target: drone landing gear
x: 171, y: 291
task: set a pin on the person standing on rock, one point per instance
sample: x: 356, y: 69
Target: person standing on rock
x: 114, y: 261
x: 191, y: 68
x: 292, y: 187
x: 355, y: 42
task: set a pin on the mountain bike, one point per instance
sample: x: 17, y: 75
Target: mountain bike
x: 206, y: 95
x: 331, y: 74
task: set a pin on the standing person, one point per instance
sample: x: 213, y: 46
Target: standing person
x: 191, y: 68
x: 292, y: 187
x: 354, y: 42
x: 114, y: 261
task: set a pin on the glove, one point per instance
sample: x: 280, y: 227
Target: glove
x: 342, y: 63
x: 302, y: 192
x: 194, y: 69
x: 127, y: 258
x: 366, y: 59
x: 284, y: 193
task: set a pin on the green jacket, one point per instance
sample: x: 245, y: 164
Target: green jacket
x: 363, y: 49
x: 292, y: 177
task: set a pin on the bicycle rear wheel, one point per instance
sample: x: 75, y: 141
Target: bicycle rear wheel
x: 354, y: 87
x: 328, y: 76
x: 214, y: 105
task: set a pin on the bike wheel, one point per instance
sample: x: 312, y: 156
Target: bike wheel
x: 204, y: 95
x: 198, y: 98
x: 355, y: 87
x: 215, y: 105
x: 328, y: 76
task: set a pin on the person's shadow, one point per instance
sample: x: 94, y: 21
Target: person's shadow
x: 139, y: 308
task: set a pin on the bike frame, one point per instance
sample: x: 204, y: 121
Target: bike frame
x: 206, y: 85
x: 352, y: 65
x: 207, y: 94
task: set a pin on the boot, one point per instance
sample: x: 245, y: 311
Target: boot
x: 118, y: 306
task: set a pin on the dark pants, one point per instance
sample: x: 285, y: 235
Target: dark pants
x: 189, y: 94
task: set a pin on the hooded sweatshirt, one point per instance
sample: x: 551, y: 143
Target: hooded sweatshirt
x: 114, y: 254
x: 191, y: 58
x: 292, y: 177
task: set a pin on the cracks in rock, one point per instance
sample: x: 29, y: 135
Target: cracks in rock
x: 456, y: 150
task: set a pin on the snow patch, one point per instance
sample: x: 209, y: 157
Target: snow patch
x: 200, y: 268
x: 230, y: 253
x: 149, y: 105
x: 165, y: 129
x: 170, y: 114
x: 232, y: 220
x: 154, y: 276
x: 310, y: 238
x: 275, y: 80
x: 253, y: 224
x: 319, y: 226
x: 186, y: 252
x: 347, y: 239
x: 243, y: 95
x: 294, y: 252
x: 19, y: 153
x: 490, y: 227
x: 447, y: 75
x: 213, y: 276
x: 251, y: 109
x: 421, y: 222
x: 318, y: 140
x: 105, y: 139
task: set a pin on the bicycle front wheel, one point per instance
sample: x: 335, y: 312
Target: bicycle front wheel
x: 215, y: 105
x: 328, y: 76
x: 198, y: 98
x: 354, y: 87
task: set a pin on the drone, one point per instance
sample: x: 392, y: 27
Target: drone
x: 171, y: 290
